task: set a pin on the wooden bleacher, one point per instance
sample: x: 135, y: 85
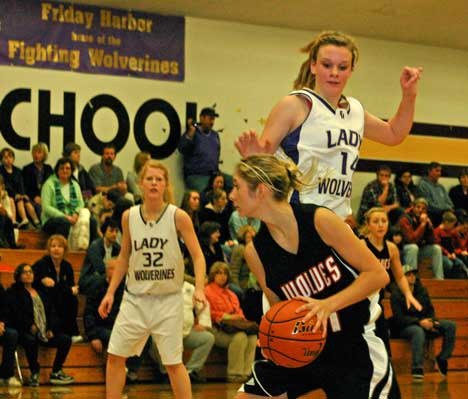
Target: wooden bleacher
x: 450, y: 299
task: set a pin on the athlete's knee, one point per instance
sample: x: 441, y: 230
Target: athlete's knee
x: 115, y: 360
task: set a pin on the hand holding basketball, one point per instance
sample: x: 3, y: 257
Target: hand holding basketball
x: 286, y: 339
x: 318, y: 308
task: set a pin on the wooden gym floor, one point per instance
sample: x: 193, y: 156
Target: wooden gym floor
x: 433, y: 387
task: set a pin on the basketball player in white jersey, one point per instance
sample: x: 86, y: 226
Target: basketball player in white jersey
x: 152, y: 261
x: 321, y: 130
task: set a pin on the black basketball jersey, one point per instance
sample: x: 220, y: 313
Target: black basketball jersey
x: 383, y: 256
x: 317, y: 271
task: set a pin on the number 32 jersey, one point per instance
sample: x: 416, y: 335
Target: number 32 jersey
x: 156, y: 265
x: 325, y: 148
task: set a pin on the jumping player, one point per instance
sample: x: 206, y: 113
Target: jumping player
x: 306, y: 251
x: 389, y: 257
x: 321, y: 130
x: 151, y: 258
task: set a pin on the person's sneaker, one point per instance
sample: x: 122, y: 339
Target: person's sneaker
x: 13, y: 382
x: 417, y: 373
x: 76, y: 339
x: 442, y: 365
x: 196, y: 378
x: 60, y: 378
x: 34, y: 380
x: 132, y: 377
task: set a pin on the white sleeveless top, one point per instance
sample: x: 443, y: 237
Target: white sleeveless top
x: 326, y: 150
x: 156, y: 264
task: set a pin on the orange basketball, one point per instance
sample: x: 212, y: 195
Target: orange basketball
x: 285, y: 339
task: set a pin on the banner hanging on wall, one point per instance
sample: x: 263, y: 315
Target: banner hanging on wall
x: 90, y: 39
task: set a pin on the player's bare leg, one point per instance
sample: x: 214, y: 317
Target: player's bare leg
x: 243, y: 395
x: 180, y: 381
x: 115, y: 376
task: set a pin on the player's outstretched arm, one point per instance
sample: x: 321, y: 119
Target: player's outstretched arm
x: 398, y: 127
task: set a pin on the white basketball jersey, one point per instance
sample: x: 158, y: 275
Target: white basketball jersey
x: 156, y: 264
x: 326, y: 150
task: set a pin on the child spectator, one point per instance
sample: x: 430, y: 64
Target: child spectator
x: 7, y: 234
x: 14, y: 185
x: 454, y: 267
x: 460, y: 239
x: 35, y: 174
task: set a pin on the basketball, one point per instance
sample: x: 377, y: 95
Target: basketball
x: 285, y: 339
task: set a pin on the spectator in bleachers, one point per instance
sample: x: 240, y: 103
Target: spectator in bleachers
x: 219, y: 210
x: 7, y: 234
x: 35, y: 174
x: 34, y: 317
x: 419, y: 241
x: 209, y: 242
x: 420, y: 325
x: 225, y: 305
x: 201, y: 148
x: 380, y: 193
x: 102, y: 205
x: 63, y: 210
x: 459, y: 193
x: 437, y: 198
x: 407, y: 191
x: 132, y: 176
x: 53, y: 275
x: 454, y: 267
x: 240, y: 272
x: 73, y: 151
x: 236, y: 222
x: 191, y: 204
x: 97, y: 329
x: 8, y: 340
x: 13, y: 180
x: 216, y: 182
x: 106, y: 175
x: 460, y: 239
x: 103, y: 248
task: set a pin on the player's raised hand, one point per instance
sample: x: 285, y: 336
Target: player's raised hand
x: 409, y: 80
x: 248, y: 143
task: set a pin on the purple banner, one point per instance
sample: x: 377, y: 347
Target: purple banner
x: 80, y: 38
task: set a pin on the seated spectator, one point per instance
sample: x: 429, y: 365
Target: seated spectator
x: 225, y: 305
x: 73, y: 151
x: 460, y: 239
x: 100, y: 250
x: 236, y: 222
x: 380, y: 193
x: 35, y: 174
x: 106, y: 176
x: 198, y: 337
x: 406, y: 190
x: 418, y: 326
x: 418, y: 234
x: 435, y: 193
x: 63, y: 210
x: 132, y: 176
x: 216, y: 182
x: 459, y: 193
x: 219, y: 210
x: 454, y: 267
x: 53, y: 275
x: 8, y: 340
x: 34, y: 317
x: 102, y: 205
x: 13, y: 180
x: 7, y: 233
x: 240, y: 272
x: 191, y: 204
x: 209, y: 242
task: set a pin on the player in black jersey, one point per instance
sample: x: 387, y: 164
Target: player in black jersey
x: 308, y: 252
x: 386, y: 252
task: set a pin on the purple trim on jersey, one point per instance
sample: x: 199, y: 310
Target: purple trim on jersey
x: 289, y: 146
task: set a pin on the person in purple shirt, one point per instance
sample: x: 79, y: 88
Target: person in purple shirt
x: 200, y: 147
